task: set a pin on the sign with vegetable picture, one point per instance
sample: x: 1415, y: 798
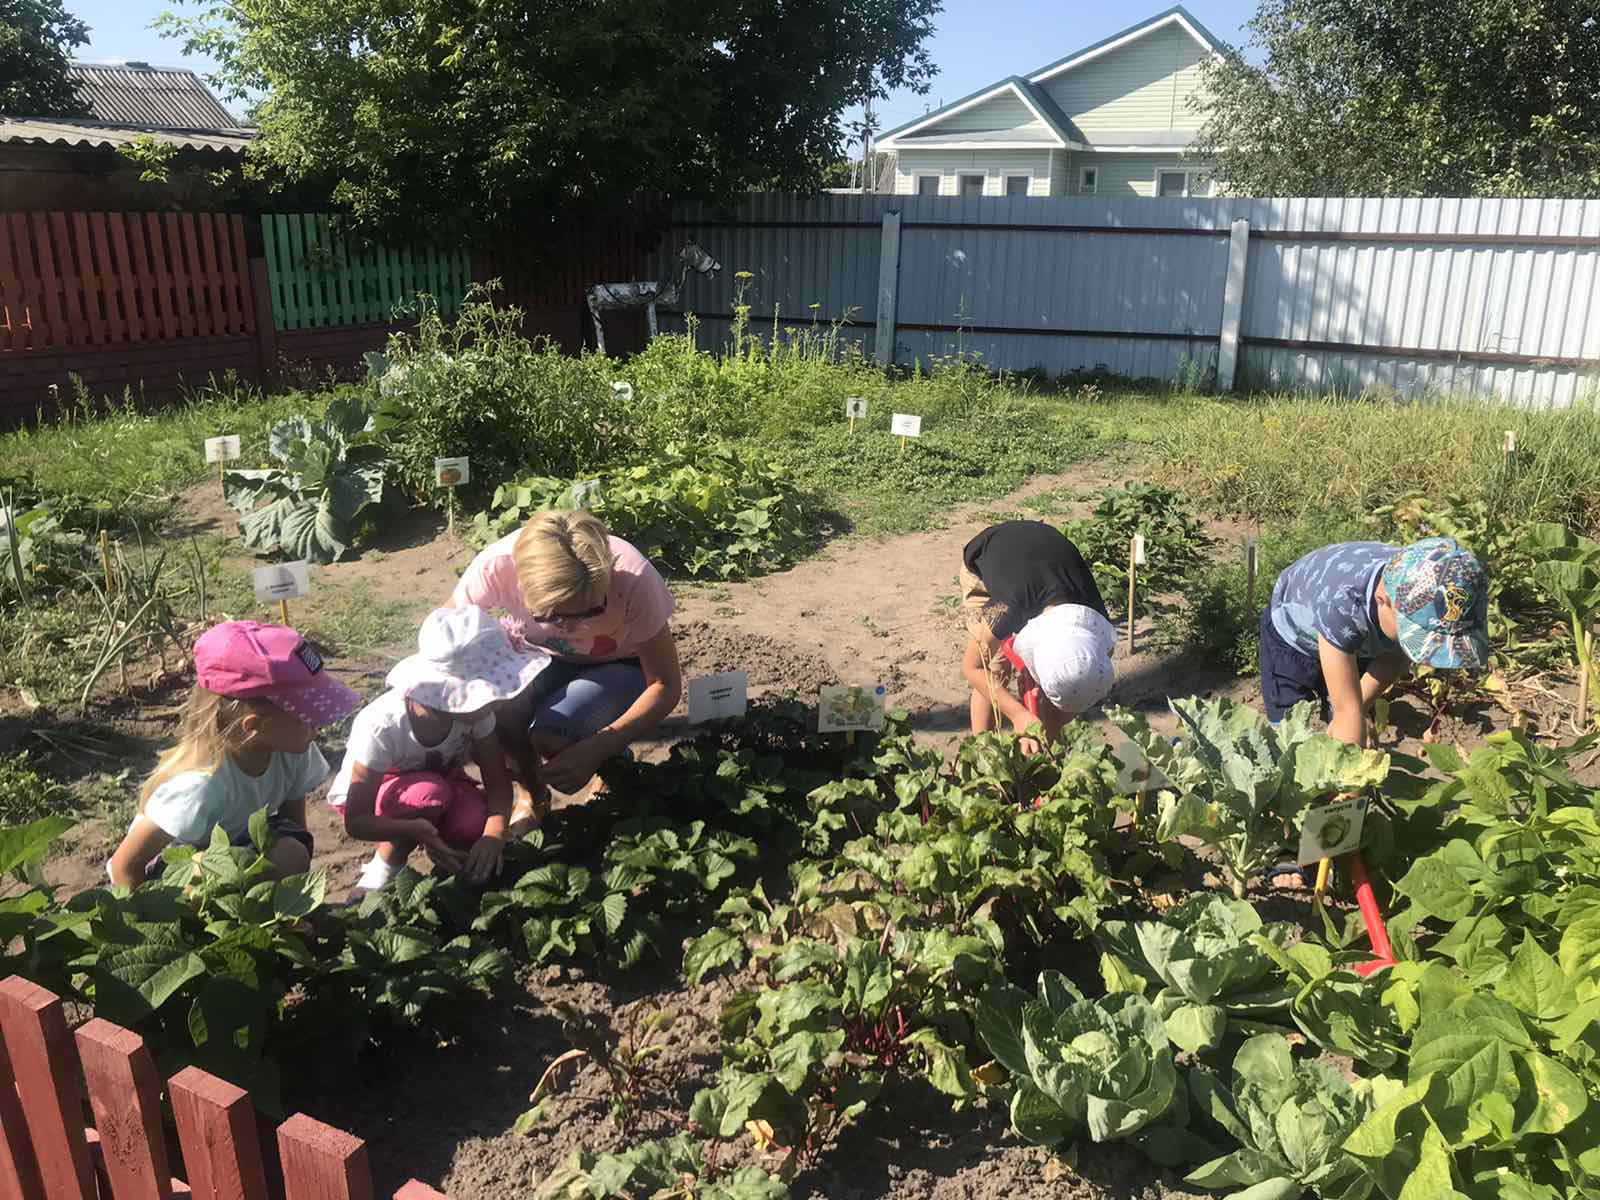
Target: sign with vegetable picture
x: 451, y: 472
x: 585, y: 493
x: 718, y: 697
x: 1135, y: 772
x: 1331, y: 830
x: 855, y: 407
x: 844, y: 708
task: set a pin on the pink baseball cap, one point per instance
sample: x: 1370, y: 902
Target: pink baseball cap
x: 247, y: 659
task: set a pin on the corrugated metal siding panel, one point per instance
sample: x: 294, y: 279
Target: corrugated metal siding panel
x: 994, y: 165
x: 149, y: 96
x: 1525, y: 300
x: 1142, y: 85
x: 1004, y: 111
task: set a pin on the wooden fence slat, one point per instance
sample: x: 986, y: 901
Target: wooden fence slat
x: 206, y: 231
x: 125, y: 1096
x: 35, y: 1030
x: 303, y: 239
x: 238, y: 247
x: 128, y: 281
x: 194, y: 249
x: 144, y: 282
x: 322, y: 1163
x: 111, y: 276
x: 19, y: 1170
x: 161, y: 270
x: 217, y: 1132
x: 80, y: 281
x: 227, y: 302
x: 275, y: 237
x: 11, y: 302
x: 45, y: 226
x: 182, y: 268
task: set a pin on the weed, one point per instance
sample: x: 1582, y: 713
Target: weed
x: 26, y: 794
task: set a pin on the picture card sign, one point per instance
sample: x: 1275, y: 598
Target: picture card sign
x: 846, y: 707
x: 905, y: 425
x: 718, y: 697
x: 1332, y: 830
x: 451, y: 472
x: 282, y: 581
x: 1135, y: 772
x: 586, y: 493
x: 855, y: 407
x: 222, y: 449
x: 622, y: 390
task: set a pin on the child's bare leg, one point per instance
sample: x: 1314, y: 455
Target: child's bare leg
x: 983, y: 713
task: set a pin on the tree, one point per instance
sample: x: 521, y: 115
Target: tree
x: 471, y: 117
x: 1410, y: 98
x: 36, y: 42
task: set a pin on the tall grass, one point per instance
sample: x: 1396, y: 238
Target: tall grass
x: 1284, y: 458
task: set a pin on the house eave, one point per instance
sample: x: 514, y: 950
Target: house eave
x: 903, y: 147
x: 1176, y: 16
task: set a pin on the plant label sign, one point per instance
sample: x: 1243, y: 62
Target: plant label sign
x: 855, y: 407
x: 905, y: 425
x: 718, y: 697
x: 845, y: 707
x: 1135, y: 772
x: 451, y: 472
x: 584, y: 494
x: 1138, y: 550
x: 622, y: 390
x: 222, y: 449
x: 1511, y: 441
x: 282, y: 581
x: 1332, y: 830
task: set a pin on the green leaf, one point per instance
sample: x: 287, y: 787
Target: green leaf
x: 1437, y: 889
x: 1036, y: 1117
x: 1535, y: 983
x: 1579, y: 953
x: 1000, y: 1027
x: 23, y: 845
x: 131, y: 982
x: 1552, y: 1097
x: 713, y: 949
x: 1197, y: 1027
x: 299, y: 895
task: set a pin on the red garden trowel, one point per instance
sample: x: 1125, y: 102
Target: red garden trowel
x: 1371, y: 914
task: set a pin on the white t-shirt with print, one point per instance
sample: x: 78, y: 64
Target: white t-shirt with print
x: 381, y: 739
x: 187, y: 807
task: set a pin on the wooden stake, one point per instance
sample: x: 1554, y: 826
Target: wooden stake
x: 903, y: 440
x: 450, y: 512
x: 105, y: 562
x: 221, y: 466
x: 1133, y: 576
x: 852, y: 427
x: 1583, y: 680
x: 1250, y: 573
x: 283, y: 611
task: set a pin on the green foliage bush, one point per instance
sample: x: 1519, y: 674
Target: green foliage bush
x: 1175, y: 542
x: 709, y: 512
x: 27, y: 794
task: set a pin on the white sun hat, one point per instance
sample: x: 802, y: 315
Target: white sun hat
x: 465, y: 661
x: 1067, y: 650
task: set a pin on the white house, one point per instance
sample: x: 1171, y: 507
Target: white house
x: 1113, y: 119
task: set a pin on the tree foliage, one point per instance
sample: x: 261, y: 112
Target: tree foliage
x: 450, y: 117
x: 36, y: 42
x: 1410, y: 98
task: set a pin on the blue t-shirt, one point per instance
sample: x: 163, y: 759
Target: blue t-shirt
x: 1330, y: 592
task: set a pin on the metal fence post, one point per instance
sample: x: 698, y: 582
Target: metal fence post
x: 1233, y: 306
x: 888, y: 288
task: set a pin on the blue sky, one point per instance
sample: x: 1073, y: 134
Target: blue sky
x: 975, y: 42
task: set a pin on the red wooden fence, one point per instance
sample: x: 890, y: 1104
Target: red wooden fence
x: 47, y: 1151
x: 95, y: 279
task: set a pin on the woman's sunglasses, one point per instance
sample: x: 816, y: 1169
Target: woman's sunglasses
x: 571, y: 618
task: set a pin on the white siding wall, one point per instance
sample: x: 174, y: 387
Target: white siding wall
x: 993, y: 165
x: 1141, y: 86
x: 1004, y: 111
x: 1125, y: 174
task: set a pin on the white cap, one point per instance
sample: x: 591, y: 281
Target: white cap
x: 464, y: 662
x: 1067, y: 650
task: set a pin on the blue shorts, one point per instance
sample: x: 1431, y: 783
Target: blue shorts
x: 1290, y: 675
x: 573, y: 701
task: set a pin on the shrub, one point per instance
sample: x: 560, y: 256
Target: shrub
x: 27, y: 794
x: 1175, y: 541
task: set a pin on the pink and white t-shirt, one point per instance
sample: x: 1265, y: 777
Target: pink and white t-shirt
x: 637, y: 607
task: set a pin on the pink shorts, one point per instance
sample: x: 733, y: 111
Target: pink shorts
x: 453, y: 805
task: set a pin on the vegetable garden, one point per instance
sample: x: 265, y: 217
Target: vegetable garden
x: 766, y: 961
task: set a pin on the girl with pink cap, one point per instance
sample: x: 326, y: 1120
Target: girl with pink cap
x: 245, y: 745
x: 403, y: 782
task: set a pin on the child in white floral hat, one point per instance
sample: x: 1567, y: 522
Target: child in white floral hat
x: 403, y: 782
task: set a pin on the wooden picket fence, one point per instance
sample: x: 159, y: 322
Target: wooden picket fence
x: 322, y: 278
x: 48, y: 1153
x: 97, y: 279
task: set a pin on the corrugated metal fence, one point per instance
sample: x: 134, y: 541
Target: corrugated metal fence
x: 1488, y: 296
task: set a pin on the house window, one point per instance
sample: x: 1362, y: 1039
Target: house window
x: 1172, y: 183
x: 927, y: 185
x: 971, y: 185
x: 1018, y: 185
x: 1089, y: 180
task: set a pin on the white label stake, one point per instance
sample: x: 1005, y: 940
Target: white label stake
x: 844, y: 708
x: 718, y: 697
x: 905, y: 425
x: 583, y: 494
x: 1332, y: 830
x: 1135, y: 772
x: 222, y: 449
x: 1510, y: 444
x: 1138, y: 549
x: 282, y: 582
x: 622, y: 390
x: 855, y: 407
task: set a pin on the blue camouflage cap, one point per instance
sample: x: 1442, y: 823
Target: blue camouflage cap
x: 1440, y: 594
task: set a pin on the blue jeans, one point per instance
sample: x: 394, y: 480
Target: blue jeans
x: 573, y: 701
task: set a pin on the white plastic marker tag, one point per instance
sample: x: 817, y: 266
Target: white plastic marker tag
x: 282, y: 581
x: 583, y: 494
x: 451, y: 472
x: 1511, y: 441
x: 1332, y: 830
x: 1135, y: 772
x: 1138, y: 549
x: 222, y: 449
x: 622, y: 390
x: 855, y: 406
x: 905, y: 425
x: 718, y: 697
x: 844, y: 707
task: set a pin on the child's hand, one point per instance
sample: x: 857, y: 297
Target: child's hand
x: 484, y: 859
x: 438, y: 849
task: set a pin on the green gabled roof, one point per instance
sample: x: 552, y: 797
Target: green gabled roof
x: 1058, y: 121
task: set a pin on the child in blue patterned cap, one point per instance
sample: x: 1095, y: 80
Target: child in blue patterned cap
x: 1346, y: 621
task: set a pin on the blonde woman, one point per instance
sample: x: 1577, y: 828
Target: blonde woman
x: 598, y: 607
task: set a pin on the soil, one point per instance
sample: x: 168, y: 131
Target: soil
x: 865, y: 611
